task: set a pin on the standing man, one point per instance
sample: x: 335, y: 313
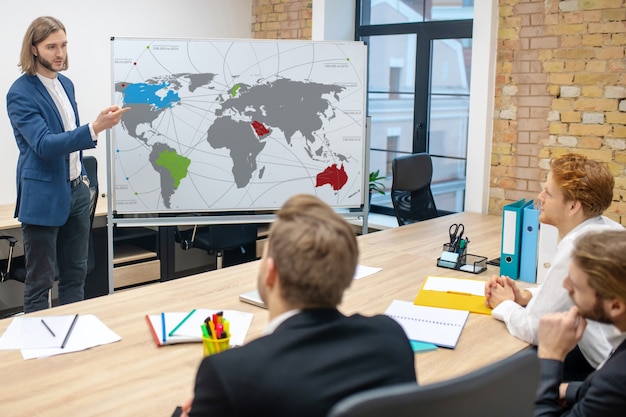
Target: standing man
x: 597, y: 285
x: 311, y: 356
x: 52, y: 198
x: 576, y: 193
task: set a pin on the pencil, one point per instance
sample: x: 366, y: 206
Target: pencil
x: 48, y: 327
x: 67, y: 336
x: 458, y: 293
x: 181, y: 322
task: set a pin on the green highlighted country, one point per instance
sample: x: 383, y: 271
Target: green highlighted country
x: 176, y: 165
x: 234, y: 90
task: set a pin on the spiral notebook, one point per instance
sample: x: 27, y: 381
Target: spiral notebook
x: 439, y: 326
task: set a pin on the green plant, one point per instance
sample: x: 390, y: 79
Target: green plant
x: 375, y: 184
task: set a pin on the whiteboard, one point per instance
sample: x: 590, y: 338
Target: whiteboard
x: 227, y: 125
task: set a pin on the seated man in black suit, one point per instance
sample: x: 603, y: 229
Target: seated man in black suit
x: 311, y: 356
x: 597, y: 285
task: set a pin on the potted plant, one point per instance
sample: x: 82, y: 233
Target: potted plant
x: 375, y: 184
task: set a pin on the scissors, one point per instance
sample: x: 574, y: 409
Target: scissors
x: 456, y: 233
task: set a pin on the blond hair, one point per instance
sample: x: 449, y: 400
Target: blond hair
x: 37, y: 32
x: 601, y: 257
x: 314, y: 251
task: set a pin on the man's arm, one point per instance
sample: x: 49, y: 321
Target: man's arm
x: 210, y: 395
x: 558, y: 334
x: 548, y: 402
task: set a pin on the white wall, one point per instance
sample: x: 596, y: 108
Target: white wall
x: 333, y: 20
x: 90, y: 26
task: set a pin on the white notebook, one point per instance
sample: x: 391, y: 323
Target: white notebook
x: 439, y: 326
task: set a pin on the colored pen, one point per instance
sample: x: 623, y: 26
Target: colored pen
x: 163, y: 325
x: 205, y: 331
x: 67, y: 336
x: 212, y: 334
x: 458, y: 293
x: 48, y: 327
x: 181, y: 322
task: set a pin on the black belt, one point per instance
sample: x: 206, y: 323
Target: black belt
x: 76, y: 181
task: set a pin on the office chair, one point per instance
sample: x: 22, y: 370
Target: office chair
x: 411, y: 195
x: 216, y: 239
x: 506, y: 388
x: 12, y: 268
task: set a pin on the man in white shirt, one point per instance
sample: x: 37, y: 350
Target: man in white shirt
x: 577, y: 191
x: 52, y: 198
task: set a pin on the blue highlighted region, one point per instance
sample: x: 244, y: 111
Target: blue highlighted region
x: 143, y: 93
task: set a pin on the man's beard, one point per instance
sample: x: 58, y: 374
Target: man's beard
x: 597, y: 313
x: 46, y: 64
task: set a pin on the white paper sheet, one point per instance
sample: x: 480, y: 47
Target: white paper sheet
x: 460, y: 285
x: 88, y: 332
x: 239, y: 324
x: 363, y: 271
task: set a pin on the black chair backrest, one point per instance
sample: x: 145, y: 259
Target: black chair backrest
x: 411, y: 196
x: 504, y: 389
x: 217, y: 237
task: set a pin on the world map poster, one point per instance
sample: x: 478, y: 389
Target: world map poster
x: 221, y: 125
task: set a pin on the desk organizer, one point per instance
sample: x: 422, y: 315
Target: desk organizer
x: 461, y: 260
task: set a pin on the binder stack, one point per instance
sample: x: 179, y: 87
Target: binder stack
x: 530, y: 238
x: 512, y: 222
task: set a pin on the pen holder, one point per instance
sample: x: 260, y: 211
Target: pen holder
x: 461, y: 260
x: 453, y: 258
x: 211, y: 346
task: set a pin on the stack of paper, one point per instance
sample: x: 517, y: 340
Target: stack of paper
x: 39, y: 337
x: 455, y: 293
x: 175, y: 327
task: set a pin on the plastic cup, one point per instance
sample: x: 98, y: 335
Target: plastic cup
x: 212, y: 346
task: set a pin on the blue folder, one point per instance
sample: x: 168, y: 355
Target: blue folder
x: 530, y: 235
x: 512, y: 215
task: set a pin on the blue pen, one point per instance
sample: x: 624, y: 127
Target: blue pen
x: 163, y: 325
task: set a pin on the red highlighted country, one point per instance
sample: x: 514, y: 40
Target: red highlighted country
x: 260, y: 129
x: 333, y: 176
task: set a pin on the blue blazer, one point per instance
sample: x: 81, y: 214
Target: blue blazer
x: 43, y: 187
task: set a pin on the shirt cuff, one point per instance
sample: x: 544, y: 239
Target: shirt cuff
x: 94, y: 137
x: 533, y: 290
x: 504, y: 309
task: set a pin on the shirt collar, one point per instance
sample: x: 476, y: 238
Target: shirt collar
x: 49, y: 82
x: 277, y: 321
x: 616, y: 339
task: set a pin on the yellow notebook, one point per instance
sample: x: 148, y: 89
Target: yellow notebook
x: 454, y: 293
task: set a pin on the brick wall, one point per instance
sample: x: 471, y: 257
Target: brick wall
x: 281, y: 19
x: 560, y: 87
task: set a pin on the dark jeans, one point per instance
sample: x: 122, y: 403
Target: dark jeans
x: 61, y: 252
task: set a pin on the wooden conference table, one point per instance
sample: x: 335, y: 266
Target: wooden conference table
x: 133, y: 377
